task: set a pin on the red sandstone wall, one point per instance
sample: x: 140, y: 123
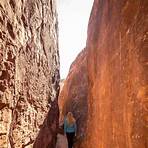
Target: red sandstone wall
x: 73, y: 96
x: 29, y: 73
x: 118, y: 74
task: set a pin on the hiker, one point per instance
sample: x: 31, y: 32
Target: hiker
x: 70, y: 128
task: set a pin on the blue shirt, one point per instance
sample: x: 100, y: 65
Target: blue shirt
x: 69, y: 128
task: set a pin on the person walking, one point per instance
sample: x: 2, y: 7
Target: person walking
x: 70, y: 128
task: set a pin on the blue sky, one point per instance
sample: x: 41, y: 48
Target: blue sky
x: 73, y: 18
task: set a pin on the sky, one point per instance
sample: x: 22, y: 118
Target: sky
x: 73, y: 18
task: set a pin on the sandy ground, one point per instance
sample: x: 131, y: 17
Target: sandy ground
x: 61, y: 141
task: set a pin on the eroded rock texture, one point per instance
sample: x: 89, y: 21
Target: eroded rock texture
x: 29, y: 73
x: 73, y: 96
x: 118, y: 74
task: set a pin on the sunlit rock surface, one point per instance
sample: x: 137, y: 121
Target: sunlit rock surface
x: 73, y: 96
x: 29, y: 73
x: 118, y: 74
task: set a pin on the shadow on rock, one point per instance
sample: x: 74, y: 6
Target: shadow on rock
x: 48, y: 131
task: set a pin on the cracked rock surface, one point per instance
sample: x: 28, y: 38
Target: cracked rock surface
x: 29, y: 73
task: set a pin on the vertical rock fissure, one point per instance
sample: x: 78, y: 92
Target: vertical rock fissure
x: 10, y: 135
x: 74, y: 95
x: 42, y: 27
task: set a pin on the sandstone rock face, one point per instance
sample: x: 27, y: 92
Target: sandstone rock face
x: 118, y: 75
x: 73, y: 96
x: 29, y: 73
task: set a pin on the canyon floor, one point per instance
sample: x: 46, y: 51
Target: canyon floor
x: 61, y: 141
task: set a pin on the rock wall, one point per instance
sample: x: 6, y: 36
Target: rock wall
x: 73, y: 96
x: 118, y: 74
x: 29, y: 73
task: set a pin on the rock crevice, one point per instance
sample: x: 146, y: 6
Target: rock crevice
x: 74, y: 94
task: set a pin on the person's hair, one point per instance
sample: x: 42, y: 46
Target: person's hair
x: 70, y: 119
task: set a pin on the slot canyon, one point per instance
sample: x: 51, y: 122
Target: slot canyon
x: 73, y: 96
x: 106, y: 88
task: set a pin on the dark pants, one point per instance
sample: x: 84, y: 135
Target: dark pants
x: 70, y: 138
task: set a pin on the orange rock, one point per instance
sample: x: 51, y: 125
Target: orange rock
x: 117, y: 69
